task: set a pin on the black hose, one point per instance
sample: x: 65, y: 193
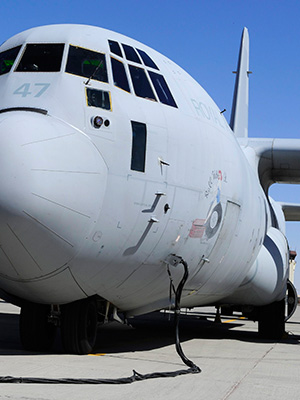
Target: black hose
x: 193, y: 368
x: 189, y: 363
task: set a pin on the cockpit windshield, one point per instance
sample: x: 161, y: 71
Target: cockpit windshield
x: 87, y: 63
x: 45, y: 57
x: 7, y: 58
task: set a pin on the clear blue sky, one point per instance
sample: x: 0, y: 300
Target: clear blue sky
x: 203, y: 37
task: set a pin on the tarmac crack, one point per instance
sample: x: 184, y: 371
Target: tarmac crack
x: 237, y: 384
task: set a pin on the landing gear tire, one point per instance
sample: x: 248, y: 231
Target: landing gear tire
x: 271, y: 320
x: 79, y: 326
x: 291, y: 300
x: 36, y: 333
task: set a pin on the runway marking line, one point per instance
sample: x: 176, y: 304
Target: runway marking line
x: 232, y: 320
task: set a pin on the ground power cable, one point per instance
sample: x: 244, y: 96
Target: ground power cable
x: 193, y: 368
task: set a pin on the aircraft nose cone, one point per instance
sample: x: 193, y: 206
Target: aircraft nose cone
x: 52, y: 184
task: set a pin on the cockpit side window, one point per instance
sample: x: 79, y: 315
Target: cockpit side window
x: 119, y: 74
x: 162, y: 89
x: 131, y: 54
x: 45, y: 57
x: 87, y: 63
x: 140, y: 82
x: 115, y: 48
x: 7, y: 58
x: 147, y: 60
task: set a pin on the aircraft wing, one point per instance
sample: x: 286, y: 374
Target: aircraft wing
x: 291, y: 211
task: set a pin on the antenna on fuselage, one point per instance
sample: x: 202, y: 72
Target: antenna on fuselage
x: 240, y: 103
x: 100, y: 65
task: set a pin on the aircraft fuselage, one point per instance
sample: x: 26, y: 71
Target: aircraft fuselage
x: 111, y: 167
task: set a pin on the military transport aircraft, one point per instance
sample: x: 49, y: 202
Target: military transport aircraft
x: 115, y: 168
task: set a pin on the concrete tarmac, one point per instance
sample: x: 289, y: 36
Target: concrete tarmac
x: 236, y: 364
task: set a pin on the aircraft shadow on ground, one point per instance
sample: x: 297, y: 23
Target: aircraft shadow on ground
x: 148, y: 332
x: 155, y: 331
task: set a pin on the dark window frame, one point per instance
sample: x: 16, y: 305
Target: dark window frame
x: 162, y: 89
x: 147, y: 60
x: 139, y: 146
x: 38, y: 57
x: 131, y: 54
x: 115, y: 48
x: 141, y: 84
x: 92, y: 73
x: 8, y: 58
x: 124, y: 82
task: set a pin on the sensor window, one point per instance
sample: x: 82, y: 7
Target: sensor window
x: 98, y: 98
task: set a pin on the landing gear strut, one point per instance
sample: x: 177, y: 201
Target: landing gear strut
x: 36, y: 333
x: 271, y: 320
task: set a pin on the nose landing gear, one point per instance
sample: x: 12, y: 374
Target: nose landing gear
x: 78, y: 321
x: 79, y: 326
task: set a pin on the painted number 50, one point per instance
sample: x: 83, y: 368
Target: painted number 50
x: 32, y: 89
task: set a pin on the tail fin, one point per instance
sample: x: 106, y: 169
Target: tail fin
x: 239, y: 111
